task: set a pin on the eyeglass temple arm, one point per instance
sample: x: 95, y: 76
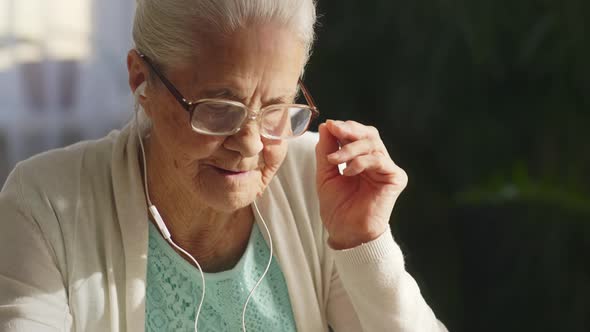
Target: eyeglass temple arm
x: 308, y: 98
x: 187, y: 105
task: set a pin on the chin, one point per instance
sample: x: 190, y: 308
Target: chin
x: 227, y: 200
x: 230, y: 203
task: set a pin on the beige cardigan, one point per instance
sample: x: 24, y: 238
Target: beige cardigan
x: 74, y: 235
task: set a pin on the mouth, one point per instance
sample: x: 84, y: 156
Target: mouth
x: 230, y: 172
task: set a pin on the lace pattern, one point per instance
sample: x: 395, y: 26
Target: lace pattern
x: 174, y: 290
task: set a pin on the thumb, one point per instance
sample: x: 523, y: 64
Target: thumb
x: 326, y: 145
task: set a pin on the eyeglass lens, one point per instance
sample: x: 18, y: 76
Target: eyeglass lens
x: 221, y: 118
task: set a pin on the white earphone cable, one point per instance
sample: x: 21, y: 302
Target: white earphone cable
x: 265, y: 270
x: 162, y: 226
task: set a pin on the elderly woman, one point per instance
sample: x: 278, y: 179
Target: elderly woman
x: 211, y: 209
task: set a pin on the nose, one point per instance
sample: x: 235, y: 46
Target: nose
x: 247, y: 141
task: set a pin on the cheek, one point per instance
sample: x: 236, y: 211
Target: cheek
x: 192, y: 149
x: 274, y: 154
x: 169, y: 124
x: 184, y: 146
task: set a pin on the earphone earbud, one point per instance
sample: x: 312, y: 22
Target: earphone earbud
x: 140, y: 91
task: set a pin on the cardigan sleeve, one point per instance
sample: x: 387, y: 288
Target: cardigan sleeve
x: 32, y: 292
x: 380, y: 292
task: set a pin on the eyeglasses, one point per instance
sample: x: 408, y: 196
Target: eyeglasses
x: 220, y: 117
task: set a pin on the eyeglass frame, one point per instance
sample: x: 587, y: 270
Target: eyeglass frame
x: 190, y: 106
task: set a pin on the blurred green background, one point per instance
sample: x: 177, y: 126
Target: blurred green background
x: 485, y: 105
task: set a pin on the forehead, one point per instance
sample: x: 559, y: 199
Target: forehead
x: 263, y: 60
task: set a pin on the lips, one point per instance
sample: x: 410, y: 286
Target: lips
x: 230, y: 171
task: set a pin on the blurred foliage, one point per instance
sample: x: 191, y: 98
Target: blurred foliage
x: 503, y: 189
x: 486, y: 105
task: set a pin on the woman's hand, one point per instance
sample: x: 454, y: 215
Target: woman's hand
x: 355, y: 206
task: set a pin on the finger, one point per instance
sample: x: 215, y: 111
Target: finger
x: 351, y: 131
x: 379, y: 169
x: 352, y: 150
x: 327, y: 145
x: 382, y: 167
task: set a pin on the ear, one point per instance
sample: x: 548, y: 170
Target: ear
x: 138, y: 74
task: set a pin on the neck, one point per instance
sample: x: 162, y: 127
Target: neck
x: 216, y: 239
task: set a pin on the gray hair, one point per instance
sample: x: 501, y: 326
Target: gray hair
x: 167, y: 30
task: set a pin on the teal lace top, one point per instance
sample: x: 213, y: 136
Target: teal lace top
x: 174, y: 291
